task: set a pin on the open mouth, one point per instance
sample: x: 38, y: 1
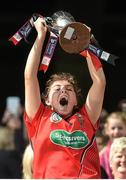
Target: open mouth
x: 63, y: 101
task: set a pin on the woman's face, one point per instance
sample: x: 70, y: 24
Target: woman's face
x: 62, y: 97
x: 118, y: 164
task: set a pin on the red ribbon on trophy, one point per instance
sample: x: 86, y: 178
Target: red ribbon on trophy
x: 48, y: 52
x: 23, y: 33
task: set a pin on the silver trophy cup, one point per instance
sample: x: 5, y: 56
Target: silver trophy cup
x: 74, y: 36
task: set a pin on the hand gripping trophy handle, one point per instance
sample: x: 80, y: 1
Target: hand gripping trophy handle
x: 75, y: 38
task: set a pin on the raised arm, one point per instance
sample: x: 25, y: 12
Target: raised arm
x: 32, y: 89
x: 94, y: 100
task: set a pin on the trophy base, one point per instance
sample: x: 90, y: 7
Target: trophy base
x: 74, y: 37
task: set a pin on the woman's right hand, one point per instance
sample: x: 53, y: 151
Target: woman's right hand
x: 40, y: 26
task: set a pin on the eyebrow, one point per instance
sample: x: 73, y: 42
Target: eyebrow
x: 68, y: 85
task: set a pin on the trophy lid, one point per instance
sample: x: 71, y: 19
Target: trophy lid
x: 62, y: 15
x: 60, y: 19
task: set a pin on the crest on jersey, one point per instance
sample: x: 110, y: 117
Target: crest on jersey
x: 55, y: 117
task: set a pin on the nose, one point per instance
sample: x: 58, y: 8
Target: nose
x: 63, y: 89
x: 123, y: 159
x: 117, y: 132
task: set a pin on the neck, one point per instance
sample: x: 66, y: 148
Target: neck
x: 65, y: 117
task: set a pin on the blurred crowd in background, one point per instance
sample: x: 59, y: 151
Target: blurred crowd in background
x: 16, y: 153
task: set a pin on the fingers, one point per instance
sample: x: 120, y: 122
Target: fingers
x: 40, y: 24
x: 39, y: 21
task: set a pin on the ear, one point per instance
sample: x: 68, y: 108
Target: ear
x: 47, y: 102
x: 110, y: 165
x: 76, y: 104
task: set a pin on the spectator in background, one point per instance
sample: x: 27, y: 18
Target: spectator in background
x: 13, y: 119
x: 101, y: 138
x: 115, y: 127
x: 27, y: 162
x: 10, y: 167
x: 102, y: 119
x: 117, y: 158
x: 122, y: 105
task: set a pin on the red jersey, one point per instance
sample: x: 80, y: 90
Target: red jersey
x: 63, y: 149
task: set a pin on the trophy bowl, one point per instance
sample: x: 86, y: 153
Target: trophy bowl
x: 74, y: 37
